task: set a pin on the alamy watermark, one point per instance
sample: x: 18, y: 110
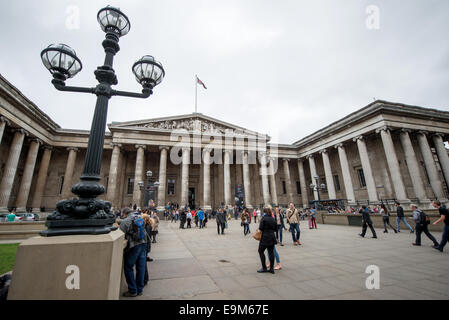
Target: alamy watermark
x: 372, y: 282
x: 72, y: 282
x: 72, y: 21
x: 372, y: 21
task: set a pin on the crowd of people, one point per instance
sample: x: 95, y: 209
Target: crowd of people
x: 141, y: 228
x: 421, y: 219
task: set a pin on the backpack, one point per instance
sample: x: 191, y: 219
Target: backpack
x: 137, y: 232
x: 423, y: 218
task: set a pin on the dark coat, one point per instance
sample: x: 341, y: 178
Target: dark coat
x: 268, y: 226
x: 221, y: 217
x: 400, y: 212
x: 365, y: 216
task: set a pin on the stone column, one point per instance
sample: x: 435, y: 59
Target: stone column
x: 442, y: 155
x: 113, y: 175
x: 393, y: 164
x: 264, y: 174
x: 347, y: 180
x: 302, y: 182
x: 138, y: 174
x: 3, y: 123
x: 10, y: 169
x: 27, y: 177
x: 185, y: 176
x: 206, y: 179
x: 41, y: 179
x: 162, y: 191
x: 273, y: 189
x: 412, y: 165
x: 288, y: 181
x: 227, y: 177
x: 68, y: 175
x: 246, y: 181
x: 366, y: 165
x: 313, y: 174
x: 431, y: 168
x: 328, y: 173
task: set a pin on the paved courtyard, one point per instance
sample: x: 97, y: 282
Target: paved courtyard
x: 331, y: 263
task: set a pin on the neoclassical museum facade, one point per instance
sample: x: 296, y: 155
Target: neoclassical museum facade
x: 381, y: 152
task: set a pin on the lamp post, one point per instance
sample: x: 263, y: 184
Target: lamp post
x: 150, y: 187
x: 88, y: 215
x: 317, y: 187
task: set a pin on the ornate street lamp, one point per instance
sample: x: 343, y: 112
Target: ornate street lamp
x: 88, y: 215
x: 317, y: 187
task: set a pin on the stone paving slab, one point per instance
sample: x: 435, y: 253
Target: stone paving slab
x: 330, y: 264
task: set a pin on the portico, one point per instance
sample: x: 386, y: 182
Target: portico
x: 381, y: 152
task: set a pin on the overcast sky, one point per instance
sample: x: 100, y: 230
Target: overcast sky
x: 285, y: 68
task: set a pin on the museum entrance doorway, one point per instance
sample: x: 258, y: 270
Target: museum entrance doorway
x: 192, y: 198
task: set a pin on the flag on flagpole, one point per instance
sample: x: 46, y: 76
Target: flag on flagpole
x: 200, y: 82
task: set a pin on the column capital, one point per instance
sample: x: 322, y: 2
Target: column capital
x: 164, y: 147
x: 360, y: 137
x: 383, y: 128
x: 228, y: 151
x: 73, y: 149
x: 39, y: 141
x: 21, y: 130
x: 3, y: 119
x: 47, y: 147
x: 423, y: 132
x: 309, y: 156
x: 185, y: 149
x: 438, y: 134
x: 406, y: 130
x: 140, y: 146
x: 115, y: 144
x: 286, y: 159
x: 339, y: 145
x: 323, y: 151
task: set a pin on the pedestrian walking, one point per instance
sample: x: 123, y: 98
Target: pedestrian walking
x: 293, y: 220
x: 201, y: 218
x: 279, y: 217
x: 401, y: 217
x: 221, y: 221
x: 422, y: 221
x: 313, y: 214
x: 268, y: 240
x: 367, y: 222
x: 189, y: 220
x: 154, y: 226
x: 245, y: 221
x: 386, y: 218
x: 255, y: 215
x: 444, y: 216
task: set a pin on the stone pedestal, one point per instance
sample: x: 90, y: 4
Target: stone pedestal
x: 69, y: 268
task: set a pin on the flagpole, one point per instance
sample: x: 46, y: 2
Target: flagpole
x: 196, y: 89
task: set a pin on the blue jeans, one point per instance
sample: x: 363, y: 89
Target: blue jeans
x: 279, y: 233
x: 398, y: 222
x: 135, y: 256
x: 295, y: 227
x: 276, y: 255
x: 445, y: 237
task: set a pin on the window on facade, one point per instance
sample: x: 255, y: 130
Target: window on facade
x: 130, y: 185
x: 337, y: 182
x: 298, y: 187
x: 284, y: 188
x: 61, y: 183
x: 361, y: 178
x: 171, y: 187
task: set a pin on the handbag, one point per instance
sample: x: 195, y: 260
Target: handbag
x: 258, y: 235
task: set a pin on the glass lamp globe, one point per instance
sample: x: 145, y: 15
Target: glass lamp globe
x: 60, y: 58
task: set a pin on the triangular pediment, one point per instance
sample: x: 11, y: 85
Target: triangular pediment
x: 194, y: 122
